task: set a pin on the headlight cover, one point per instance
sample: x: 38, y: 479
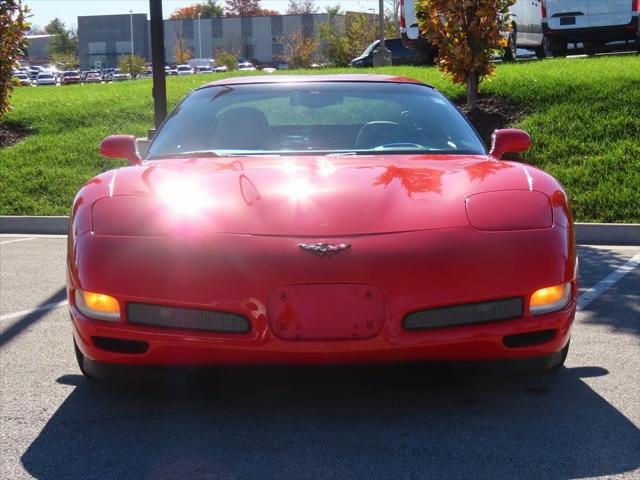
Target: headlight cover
x: 97, y: 305
x: 550, y: 299
x: 506, y: 210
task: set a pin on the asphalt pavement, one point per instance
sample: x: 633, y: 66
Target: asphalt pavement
x: 409, y: 421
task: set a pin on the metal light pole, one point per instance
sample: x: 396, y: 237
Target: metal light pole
x: 131, y: 28
x: 199, y: 37
x: 382, y: 56
x: 131, y: 54
x: 158, y: 58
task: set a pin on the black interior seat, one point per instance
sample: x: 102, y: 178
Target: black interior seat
x: 243, y: 128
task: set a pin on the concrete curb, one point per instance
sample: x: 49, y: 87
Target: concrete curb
x: 608, y: 233
x: 586, y: 233
x: 34, y: 225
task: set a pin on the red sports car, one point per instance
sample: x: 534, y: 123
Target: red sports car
x: 319, y: 220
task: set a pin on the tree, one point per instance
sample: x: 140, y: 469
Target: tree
x: 266, y: 12
x: 243, y: 8
x: 342, y: 43
x: 465, y: 33
x: 226, y: 58
x: 300, y: 50
x: 134, y: 65
x: 63, y: 40
x: 206, y: 9
x: 13, y: 45
x: 333, y: 10
x: 65, y: 61
x: 392, y: 19
x: 181, y: 52
x: 302, y: 7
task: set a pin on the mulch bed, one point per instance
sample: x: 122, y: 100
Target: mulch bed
x: 12, y: 133
x: 493, y: 112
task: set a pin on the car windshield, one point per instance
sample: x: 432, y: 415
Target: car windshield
x: 314, y: 117
x: 370, y: 49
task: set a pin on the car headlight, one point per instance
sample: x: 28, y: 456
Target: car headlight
x: 509, y: 210
x: 97, y: 305
x: 550, y: 299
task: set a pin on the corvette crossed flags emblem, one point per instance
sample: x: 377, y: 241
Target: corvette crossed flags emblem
x: 325, y: 249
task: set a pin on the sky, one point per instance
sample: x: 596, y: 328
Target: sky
x: 44, y: 11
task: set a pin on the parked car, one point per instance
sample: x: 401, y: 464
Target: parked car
x: 93, y: 77
x: 594, y: 23
x: 221, y: 69
x: 400, y: 55
x: 120, y: 76
x: 22, y: 78
x: 390, y: 241
x: 204, y: 69
x: 183, y: 70
x: 107, y: 74
x: 245, y: 65
x: 69, y: 77
x: 35, y: 71
x: 46, y: 78
x: 170, y: 70
x: 525, y: 31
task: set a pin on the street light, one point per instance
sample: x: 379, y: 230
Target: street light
x: 131, y: 54
x: 131, y: 27
x: 199, y: 37
x: 382, y: 56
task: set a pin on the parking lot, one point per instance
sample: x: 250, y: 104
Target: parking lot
x: 418, y: 421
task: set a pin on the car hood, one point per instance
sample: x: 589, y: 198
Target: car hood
x: 313, y: 196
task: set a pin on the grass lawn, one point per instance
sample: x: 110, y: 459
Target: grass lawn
x: 583, y: 115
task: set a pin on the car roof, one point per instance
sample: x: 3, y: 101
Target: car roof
x: 373, y: 78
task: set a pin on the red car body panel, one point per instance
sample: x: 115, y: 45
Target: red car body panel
x: 413, y: 247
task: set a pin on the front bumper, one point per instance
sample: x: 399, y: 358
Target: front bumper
x: 414, y: 270
x: 182, y: 348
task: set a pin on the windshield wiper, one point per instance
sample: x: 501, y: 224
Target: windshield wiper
x: 193, y: 153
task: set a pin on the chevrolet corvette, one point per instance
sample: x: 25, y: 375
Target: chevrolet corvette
x: 319, y: 220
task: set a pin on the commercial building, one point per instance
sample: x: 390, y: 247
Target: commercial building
x: 103, y: 39
x: 38, y: 49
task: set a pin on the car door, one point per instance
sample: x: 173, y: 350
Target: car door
x: 568, y: 14
x: 609, y: 13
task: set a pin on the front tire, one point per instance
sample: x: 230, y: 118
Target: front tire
x: 556, y: 360
x: 559, y: 49
x: 542, y: 51
x: 510, y: 52
x: 82, y: 361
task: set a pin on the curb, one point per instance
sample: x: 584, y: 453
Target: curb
x: 34, y: 225
x: 586, y: 233
x: 608, y: 233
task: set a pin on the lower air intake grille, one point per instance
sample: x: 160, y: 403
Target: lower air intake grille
x: 467, y: 314
x: 186, y: 318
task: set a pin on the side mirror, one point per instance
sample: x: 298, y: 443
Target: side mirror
x: 509, y: 140
x: 120, y: 146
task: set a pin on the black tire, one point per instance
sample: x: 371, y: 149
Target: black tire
x: 558, y: 49
x: 510, y: 52
x: 82, y: 361
x: 557, y: 360
x: 543, y: 50
x: 589, y: 48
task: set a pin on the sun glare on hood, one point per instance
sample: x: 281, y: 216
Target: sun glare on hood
x: 184, y: 196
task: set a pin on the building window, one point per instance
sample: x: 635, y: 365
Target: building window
x: 123, y: 47
x: 97, y: 48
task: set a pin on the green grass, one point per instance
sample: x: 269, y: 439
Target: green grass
x: 583, y: 115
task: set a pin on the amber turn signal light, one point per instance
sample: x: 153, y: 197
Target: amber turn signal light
x: 97, y: 305
x: 550, y: 299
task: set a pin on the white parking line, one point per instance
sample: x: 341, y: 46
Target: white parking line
x: 16, y: 240
x: 603, y: 285
x: 46, y: 306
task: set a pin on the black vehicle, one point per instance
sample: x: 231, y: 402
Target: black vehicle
x: 399, y: 54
